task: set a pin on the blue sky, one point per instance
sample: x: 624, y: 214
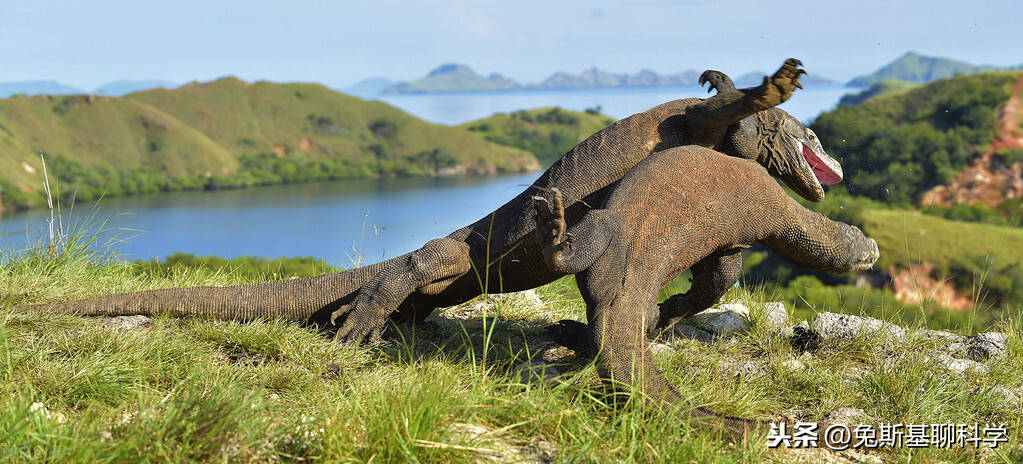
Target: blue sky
x: 87, y: 43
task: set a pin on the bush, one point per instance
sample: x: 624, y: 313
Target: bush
x: 898, y: 146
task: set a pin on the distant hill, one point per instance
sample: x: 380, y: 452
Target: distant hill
x: 596, y: 78
x: 368, y: 87
x: 453, y: 78
x: 119, y: 88
x: 461, y: 78
x: 885, y: 87
x: 547, y: 133
x: 225, y: 133
x: 913, y: 67
x: 30, y: 88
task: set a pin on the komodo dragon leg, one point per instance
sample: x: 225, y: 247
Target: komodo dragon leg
x: 564, y: 253
x: 732, y: 105
x: 426, y: 270
x: 810, y: 239
x: 571, y: 252
x: 712, y: 277
x: 617, y: 332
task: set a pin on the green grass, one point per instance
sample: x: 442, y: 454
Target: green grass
x: 197, y: 390
x: 983, y: 260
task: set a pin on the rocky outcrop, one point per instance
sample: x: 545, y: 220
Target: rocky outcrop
x: 916, y: 286
x: 847, y: 327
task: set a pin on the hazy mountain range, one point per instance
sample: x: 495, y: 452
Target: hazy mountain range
x: 454, y: 77
x: 47, y: 87
x: 448, y: 78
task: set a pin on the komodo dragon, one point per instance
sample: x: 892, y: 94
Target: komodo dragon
x: 683, y: 208
x: 499, y: 252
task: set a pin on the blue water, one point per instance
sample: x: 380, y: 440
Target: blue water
x: 344, y: 222
x: 341, y: 222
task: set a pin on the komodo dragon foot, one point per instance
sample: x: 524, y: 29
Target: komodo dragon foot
x: 365, y: 325
x: 863, y: 250
x: 550, y: 229
x: 779, y: 87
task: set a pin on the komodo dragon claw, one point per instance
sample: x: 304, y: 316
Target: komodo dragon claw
x: 550, y: 221
x: 359, y: 326
x: 786, y: 79
x: 718, y: 81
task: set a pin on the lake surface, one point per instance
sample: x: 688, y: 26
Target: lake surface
x: 336, y: 221
x: 346, y: 221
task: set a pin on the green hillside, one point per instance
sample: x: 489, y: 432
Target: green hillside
x: 895, y: 147
x: 226, y: 133
x: 885, y: 87
x: 545, y: 132
x: 976, y: 256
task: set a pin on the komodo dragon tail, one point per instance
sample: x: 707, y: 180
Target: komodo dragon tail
x: 297, y: 299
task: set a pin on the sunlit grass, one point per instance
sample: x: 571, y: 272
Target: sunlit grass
x: 196, y: 390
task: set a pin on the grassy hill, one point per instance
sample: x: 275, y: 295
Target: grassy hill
x: 894, y: 147
x: 226, y: 133
x: 545, y: 132
x: 885, y: 87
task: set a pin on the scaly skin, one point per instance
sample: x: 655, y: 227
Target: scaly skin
x: 686, y: 207
x: 499, y: 252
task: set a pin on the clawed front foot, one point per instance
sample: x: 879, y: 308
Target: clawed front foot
x: 363, y: 323
x: 550, y: 229
x: 779, y: 87
x: 863, y: 250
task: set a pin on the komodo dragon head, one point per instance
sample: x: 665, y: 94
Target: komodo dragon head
x: 789, y: 150
x: 779, y: 142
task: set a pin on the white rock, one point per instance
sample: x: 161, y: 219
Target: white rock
x: 127, y: 322
x: 661, y: 348
x: 846, y: 416
x: 775, y: 315
x: 986, y: 345
x: 954, y: 365
x: 489, y: 304
x: 793, y: 364
x: 846, y: 327
x: 723, y: 320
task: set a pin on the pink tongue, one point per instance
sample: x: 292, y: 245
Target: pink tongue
x: 824, y: 174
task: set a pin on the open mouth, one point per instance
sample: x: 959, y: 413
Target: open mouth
x: 825, y: 174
